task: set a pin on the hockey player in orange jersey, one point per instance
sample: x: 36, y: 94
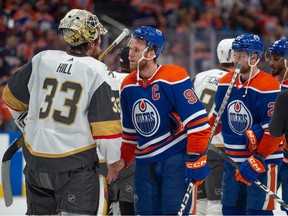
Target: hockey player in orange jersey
x: 152, y: 96
x: 251, y: 103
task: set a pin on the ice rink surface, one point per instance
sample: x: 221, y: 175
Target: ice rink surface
x: 19, y: 207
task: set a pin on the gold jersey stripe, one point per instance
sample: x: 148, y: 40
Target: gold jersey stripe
x: 218, y: 145
x: 106, y: 128
x: 12, y: 101
x: 102, y: 161
x: 46, y: 155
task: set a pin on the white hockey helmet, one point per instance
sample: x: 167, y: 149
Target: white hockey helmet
x: 224, y: 50
x: 80, y: 26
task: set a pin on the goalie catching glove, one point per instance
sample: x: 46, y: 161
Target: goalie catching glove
x: 196, y: 169
x: 253, y: 137
x: 250, y: 169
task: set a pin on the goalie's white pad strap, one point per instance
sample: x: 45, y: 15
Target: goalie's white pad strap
x: 103, y: 196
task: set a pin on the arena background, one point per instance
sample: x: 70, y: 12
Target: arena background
x: 192, y: 28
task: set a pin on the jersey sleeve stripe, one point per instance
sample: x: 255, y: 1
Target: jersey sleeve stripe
x: 194, y: 116
x: 129, y: 141
x: 108, y: 136
x: 106, y: 128
x: 11, y: 101
x: 198, y: 122
x: 127, y: 130
x: 129, y: 137
x: 194, y: 130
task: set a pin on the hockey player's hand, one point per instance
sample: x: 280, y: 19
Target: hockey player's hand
x: 253, y: 137
x: 197, y: 168
x: 113, y: 170
x: 250, y: 169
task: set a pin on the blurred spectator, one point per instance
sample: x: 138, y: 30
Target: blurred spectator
x: 148, y: 13
x: 9, y: 58
x: 29, y: 25
x: 44, y: 19
x: 202, y: 56
x: 6, y: 120
x: 170, y: 8
x: 24, y: 17
x: 86, y: 5
x: 27, y: 47
x: 186, y: 17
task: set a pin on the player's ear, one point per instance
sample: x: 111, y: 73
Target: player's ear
x: 254, y: 56
x: 91, y: 44
x: 151, y: 54
x: 94, y: 43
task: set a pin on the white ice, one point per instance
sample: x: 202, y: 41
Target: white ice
x: 19, y: 207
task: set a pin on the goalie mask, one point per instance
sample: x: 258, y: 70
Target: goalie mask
x: 154, y: 37
x: 80, y: 26
x: 249, y: 43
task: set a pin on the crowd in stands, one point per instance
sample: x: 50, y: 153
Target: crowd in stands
x: 30, y: 26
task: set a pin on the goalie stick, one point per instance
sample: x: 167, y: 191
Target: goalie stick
x: 17, y: 144
x: 5, y: 169
x: 124, y: 33
x: 220, y: 112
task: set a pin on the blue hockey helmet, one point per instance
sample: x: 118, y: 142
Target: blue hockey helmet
x: 153, y: 36
x: 279, y: 47
x: 249, y: 43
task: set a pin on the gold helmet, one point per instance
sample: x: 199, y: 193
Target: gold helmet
x: 80, y: 26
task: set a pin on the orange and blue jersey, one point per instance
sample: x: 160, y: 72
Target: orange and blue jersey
x: 284, y: 85
x: 246, y: 108
x: 145, y: 116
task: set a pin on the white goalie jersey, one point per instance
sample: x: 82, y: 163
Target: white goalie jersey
x: 205, y: 86
x: 70, y: 109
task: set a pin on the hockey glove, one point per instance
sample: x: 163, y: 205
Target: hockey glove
x: 196, y: 169
x: 21, y: 120
x: 175, y: 123
x: 253, y: 137
x: 250, y: 169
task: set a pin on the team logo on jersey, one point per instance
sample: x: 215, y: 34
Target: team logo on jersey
x: 239, y: 117
x: 146, y: 118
